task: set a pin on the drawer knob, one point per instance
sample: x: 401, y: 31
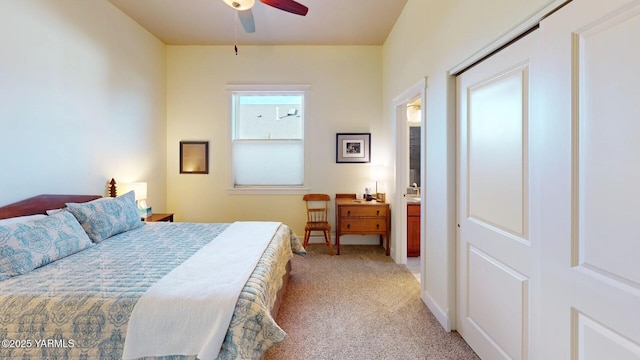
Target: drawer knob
x: 377, y: 226
x: 348, y: 226
x: 348, y: 212
x: 378, y: 212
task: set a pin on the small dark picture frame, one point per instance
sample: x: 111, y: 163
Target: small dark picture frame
x: 353, y: 147
x: 194, y: 157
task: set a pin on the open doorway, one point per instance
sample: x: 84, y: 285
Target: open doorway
x: 412, y: 193
x: 409, y: 212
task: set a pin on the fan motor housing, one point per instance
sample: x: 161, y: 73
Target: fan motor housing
x: 240, y: 4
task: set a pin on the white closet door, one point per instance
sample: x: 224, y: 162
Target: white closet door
x: 585, y: 141
x: 495, y: 256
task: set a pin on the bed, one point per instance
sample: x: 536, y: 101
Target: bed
x: 84, y: 300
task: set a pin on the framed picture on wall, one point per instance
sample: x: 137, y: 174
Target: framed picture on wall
x: 353, y: 147
x: 194, y: 157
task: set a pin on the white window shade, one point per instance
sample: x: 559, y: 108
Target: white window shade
x: 267, y: 138
x: 268, y: 162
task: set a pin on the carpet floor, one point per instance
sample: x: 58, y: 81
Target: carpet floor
x: 359, y: 305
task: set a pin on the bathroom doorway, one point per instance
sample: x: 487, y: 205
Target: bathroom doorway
x: 412, y: 198
x: 408, y: 215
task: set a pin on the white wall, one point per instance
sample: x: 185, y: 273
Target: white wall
x: 345, y: 96
x: 430, y: 38
x: 82, y: 99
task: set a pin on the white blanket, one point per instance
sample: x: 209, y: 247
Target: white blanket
x: 189, y: 310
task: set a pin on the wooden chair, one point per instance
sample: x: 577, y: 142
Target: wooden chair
x: 317, y: 218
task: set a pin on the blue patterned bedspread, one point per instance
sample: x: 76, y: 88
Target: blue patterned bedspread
x: 78, y: 307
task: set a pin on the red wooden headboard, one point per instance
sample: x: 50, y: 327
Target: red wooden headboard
x: 41, y: 203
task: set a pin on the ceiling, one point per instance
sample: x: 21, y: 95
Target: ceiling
x: 212, y: 22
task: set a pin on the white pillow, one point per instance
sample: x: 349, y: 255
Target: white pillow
x: 55, y: 211
x: 105, y: 217
x: 22, y: 219
x: 29, y: 245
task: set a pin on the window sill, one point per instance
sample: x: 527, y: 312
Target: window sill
x: 268, y: 190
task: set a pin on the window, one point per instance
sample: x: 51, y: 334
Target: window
x: 267, y: 137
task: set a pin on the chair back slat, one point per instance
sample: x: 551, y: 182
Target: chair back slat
x: 317, y: 207
x: 317, y: 215
x: 316, y: 197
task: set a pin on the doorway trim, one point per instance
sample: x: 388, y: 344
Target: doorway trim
x: 400, y: 102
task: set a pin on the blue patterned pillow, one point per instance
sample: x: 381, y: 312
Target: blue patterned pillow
x: 29, y: 245
x: 105, y: 217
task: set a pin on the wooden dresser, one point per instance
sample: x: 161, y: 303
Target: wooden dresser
x: 360, y: 217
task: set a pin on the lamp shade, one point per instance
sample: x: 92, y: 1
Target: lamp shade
x: 377, y: 172
x: 140, y: 189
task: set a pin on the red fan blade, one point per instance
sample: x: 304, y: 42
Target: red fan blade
x: 288, y: 5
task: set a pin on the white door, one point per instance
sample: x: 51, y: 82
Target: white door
x: 585, y: 134
x: 495, y: 257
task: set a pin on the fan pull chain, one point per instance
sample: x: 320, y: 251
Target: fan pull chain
x: 235, y: 46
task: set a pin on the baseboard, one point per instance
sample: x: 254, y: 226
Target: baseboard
x: 442, y: 316
x: 360, y: 240
x: 349, y: 239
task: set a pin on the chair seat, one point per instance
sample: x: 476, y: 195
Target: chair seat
x: 320, y: 226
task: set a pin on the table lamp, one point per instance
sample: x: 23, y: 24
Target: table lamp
x: 140, y: 190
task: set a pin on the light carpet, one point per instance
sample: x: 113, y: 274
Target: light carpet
x: 359, y: 305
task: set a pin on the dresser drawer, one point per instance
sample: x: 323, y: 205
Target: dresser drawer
x: 363, y: 225
x: 363, y: 211
x: 413, y: 209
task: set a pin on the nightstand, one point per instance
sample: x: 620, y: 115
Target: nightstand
x: 159, y: 217
x: 362, y: 217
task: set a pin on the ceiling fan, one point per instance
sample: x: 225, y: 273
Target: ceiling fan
x: 246, y: 15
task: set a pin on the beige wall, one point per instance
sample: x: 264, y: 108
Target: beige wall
x: 430, y: 38
x: 345, y: 96
x: 82, y: 99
